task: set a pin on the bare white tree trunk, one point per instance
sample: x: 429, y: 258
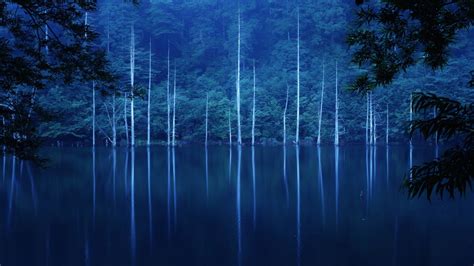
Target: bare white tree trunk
x: 387, y: 128
x: 114, y: 119
x: 284, y: 114
x: 148, y: 130
x: 367, y: 122
x: 207, y: 116
x: 336, y: 124
x: 321, y: 107
x: 371, y: 129
x: 253, y: 108
x: 230, y: 128
x: 93, y: 113
x: 237, y: 86
x: 174, y: 108
x: 132, y: 83
x: 375, y: 126
x: 168, y: 99
x: 114, y: 122
x: 297, y: 136
x: 46, y: 38
x: 411, y: 115
x: 125, y: 114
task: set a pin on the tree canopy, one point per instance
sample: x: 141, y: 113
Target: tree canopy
x: 392, y: 36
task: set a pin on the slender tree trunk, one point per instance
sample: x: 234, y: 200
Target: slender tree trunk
x: 114, y: 122
x: 125, y: 114
x: 411, y: 115
x: 93, y: 113
x: 46, y: 38
x: 230, y: 128
x: 284, y: 114
x: 375, y: 126
x: 436, y: 136
x: 253, y: 107
x: 168, y: 106
x: 336, y: 124
x: 321, y: 107
x: 387, y: 129
x: 132, y: 83
x: 148, y: 131
x: 207, y: 116
x: 370, y: 120
x: 367, y: 122
x: 237, y: 87
x: 114, y: 119
x: 297, y: 136
x: 174, y: 107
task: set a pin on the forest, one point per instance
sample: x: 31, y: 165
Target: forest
x: 246, y: 132
x: 186, y: 58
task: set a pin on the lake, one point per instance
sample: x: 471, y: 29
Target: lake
x: 220, y: 206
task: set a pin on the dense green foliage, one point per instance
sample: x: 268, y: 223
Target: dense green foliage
x: 395, y: 35
x: 202, y: 36
x: 44, y: 44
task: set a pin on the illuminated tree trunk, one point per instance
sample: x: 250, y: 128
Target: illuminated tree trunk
x: 207, y: 117
x: 168, y: 106
x: 114, y: 122
x: 371, y: 131
x: 174, y: 108
x: 253, y: 108
x: 367, y: 122
x: 125, y: 113
x: 284, y: 115
x: 297, y: 136
x: 93, y: 113
x: 336, y: 124
x: 387, y: 128
x: 230, y: 129
x: 411, y: 114
x: 321, y: 108
x: 148, y: 131
x: 132, y: 83
x: 237, y: 87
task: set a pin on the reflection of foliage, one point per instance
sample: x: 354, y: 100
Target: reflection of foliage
x: 455, y: 169
x: 397, y: 34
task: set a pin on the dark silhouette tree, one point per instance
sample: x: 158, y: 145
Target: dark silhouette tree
x: 42, y: 43
x: 391, y: 36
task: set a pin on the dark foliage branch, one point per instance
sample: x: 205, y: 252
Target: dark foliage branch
x: 395, y: 35
x: 398, y: 34
x: 42, y: 43
x: 454, y: 171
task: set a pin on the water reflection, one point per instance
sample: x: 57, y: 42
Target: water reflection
x: 285, y: 178
x: 268, y: 186
x: 33, y: 188
x: 336, y: 170
x: 239, y: 220
x: 132, y: 206
x: 114, y: 175
x: 230, y: 163
x: 12, y: 191
x: 254, y: 190
x: 150, y: 214
x: 4, y: 169
x: 207, y: 172
x: 321, y: 186
x: 93, y: 185
x: 173, y: 153
x: 298, y: 208
x: 168, y: 191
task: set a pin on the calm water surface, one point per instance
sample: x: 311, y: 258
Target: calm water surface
x: 221, y: 206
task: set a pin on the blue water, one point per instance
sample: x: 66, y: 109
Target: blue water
x: 221, y: 206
